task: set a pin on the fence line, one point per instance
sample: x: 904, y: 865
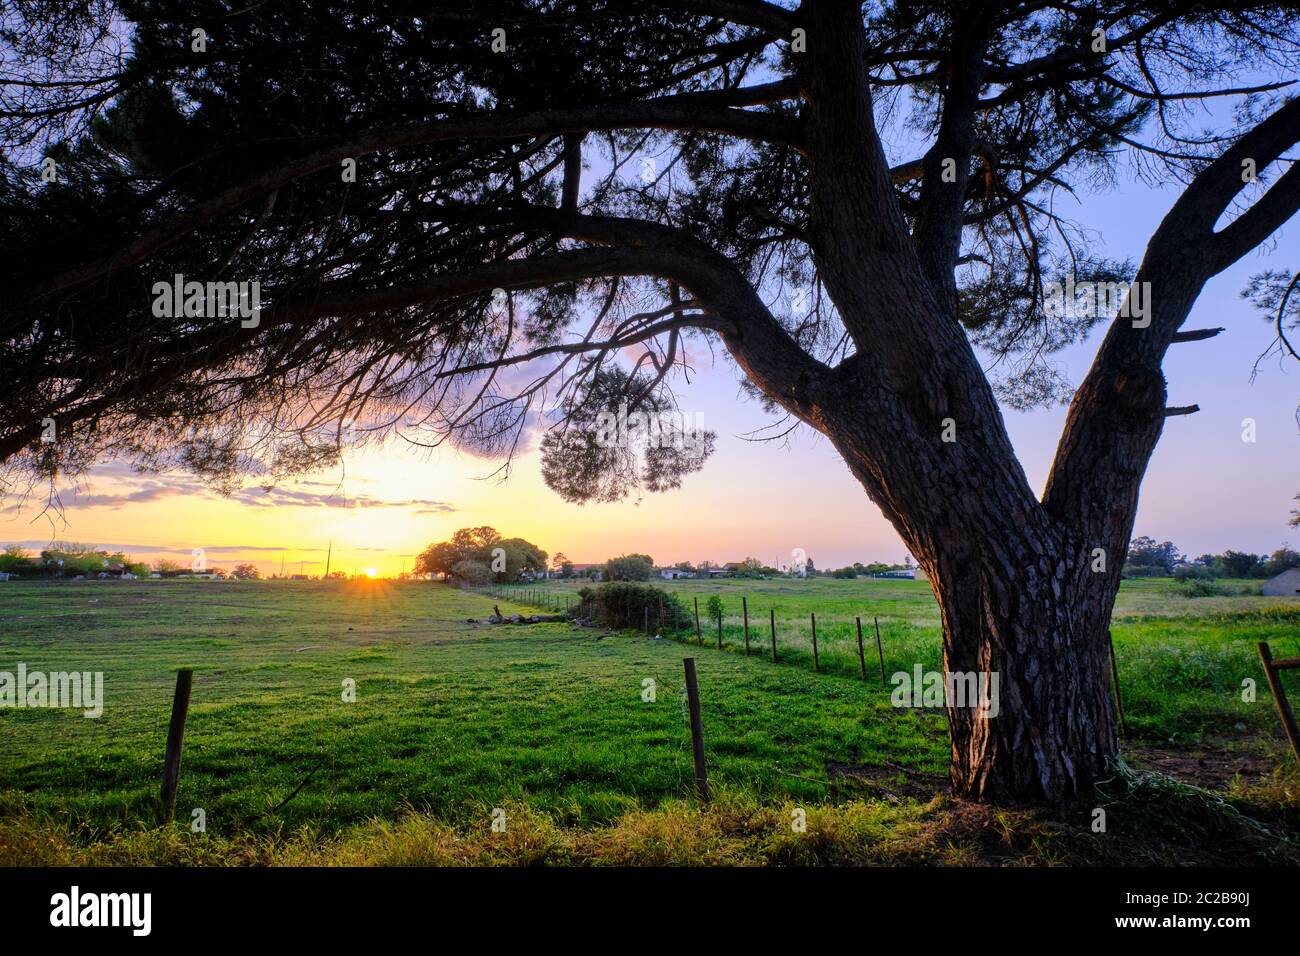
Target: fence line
x: 554, y: 600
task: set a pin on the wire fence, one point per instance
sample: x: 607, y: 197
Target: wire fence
x: 860, y: 645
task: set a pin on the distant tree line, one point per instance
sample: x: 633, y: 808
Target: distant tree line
x: 857, y: 569
x: 68, y: 560
x: 1149, y: 558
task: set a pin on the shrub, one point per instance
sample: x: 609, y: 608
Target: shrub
x: 630, y: 567
x: 624, y: 604
x: 1202, y: 588
x: 473, y: 572
x: 715, y: 608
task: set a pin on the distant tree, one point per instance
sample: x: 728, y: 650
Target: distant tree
x: 68, y: 558
x: 809, y: 568
x: 438, y: 558
x: 749, y: 568
x: 466, y: 544
x: 629, y: 567
x: 1235, y: 564
x: 1193, y: 572
x: 1295, y: 515
x: 246, y: 572
x: 559, y: 561
x: 504, y: 558
x: 714, y: 608
x: 511, y: 558
x: 219, y: 573
x: 685, y: 566
x: 1283, y: 559
x: 1146, y: 558
x: 167, y: 566
x: 844, y: 573
x: 17, y: 560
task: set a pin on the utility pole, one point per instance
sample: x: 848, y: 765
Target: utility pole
x: 329, y: 554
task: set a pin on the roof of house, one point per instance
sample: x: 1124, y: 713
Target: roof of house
x: 1288, y: 582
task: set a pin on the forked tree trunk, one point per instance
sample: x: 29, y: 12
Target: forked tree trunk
x: 1020, y: 599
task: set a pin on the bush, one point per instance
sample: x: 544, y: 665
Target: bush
x: 630, y: 567
x: 714, y: 608
x: 473, y: 572
x: 1201, y: 588
x: 621, y: 604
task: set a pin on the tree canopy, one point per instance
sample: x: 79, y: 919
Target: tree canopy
x: 479, y: 555
x: 629, y: 567
x: 604, y: 163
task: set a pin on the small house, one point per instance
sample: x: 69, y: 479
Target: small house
x: 1285, y: 584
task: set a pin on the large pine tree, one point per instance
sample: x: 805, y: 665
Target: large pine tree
x: 464, y: 215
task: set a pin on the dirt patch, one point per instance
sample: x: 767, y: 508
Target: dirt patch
x: 891, y: 781
x: 1212, y: 767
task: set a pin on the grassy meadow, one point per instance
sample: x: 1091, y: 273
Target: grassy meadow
x: 549, y: 722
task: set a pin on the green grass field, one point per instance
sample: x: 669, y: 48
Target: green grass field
x: 1182, y: 659
x: 454, y: 719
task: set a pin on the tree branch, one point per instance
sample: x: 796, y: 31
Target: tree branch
x: 694, y: 111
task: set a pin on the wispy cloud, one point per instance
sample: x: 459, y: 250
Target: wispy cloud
x: 130, y: 547
x: 133, y: 489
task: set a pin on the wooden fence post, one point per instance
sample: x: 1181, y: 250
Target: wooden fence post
x: 880, y: 650
x: 816, y: 666
x: 1114, y: 682
x: 744, y: 609
x: 1271, y: 668
x: 719, y: 631
x: 773, y: 620
x: 699, y: 637
x: 175, y: 743
x: 862, y: 658
x: 697, y: 730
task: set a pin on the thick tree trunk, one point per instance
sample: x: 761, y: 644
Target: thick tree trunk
x: 1021, y: 616
x: 1025, y: 606
x: 915, y: 419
